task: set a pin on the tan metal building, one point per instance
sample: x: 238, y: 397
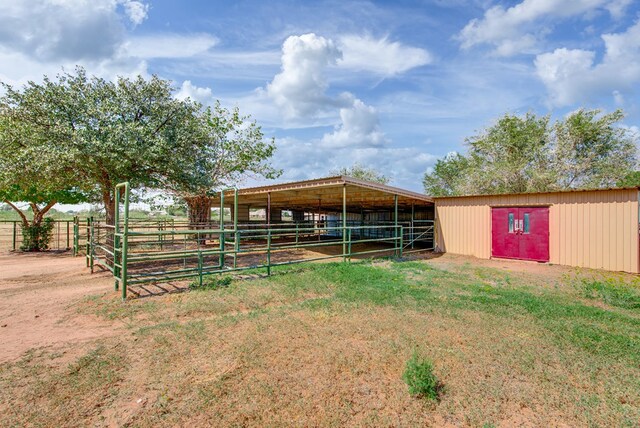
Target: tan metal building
x: 593, y: 229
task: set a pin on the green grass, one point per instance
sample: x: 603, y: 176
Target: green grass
x: 327, y: 344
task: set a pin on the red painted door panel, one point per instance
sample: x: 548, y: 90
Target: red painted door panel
x: 505, y: 243
x: 520, y: 233
x: 534, y: 233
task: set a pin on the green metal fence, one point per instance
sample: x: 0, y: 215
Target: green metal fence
x: 139, y: 252
x: 62, y: 235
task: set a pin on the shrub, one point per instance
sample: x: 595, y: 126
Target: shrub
x: 37, y: 237
x: 419, y: 375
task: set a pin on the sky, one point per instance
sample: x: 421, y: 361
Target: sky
x: 391, y: 85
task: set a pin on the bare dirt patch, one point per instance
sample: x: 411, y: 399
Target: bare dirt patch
x: 36, y: 295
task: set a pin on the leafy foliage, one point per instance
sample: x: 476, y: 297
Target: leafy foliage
x: 362, y: 172
x: 630, y: 180
x: 449, y: 176
x: 96, y: 133
x: 88, y: 134
x: 520, y: 154
x: 36, y: 237
x: 419, y: 375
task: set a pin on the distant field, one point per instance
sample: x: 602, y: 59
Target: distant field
x: 326, y: 345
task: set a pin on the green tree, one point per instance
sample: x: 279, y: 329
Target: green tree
x: 29, y: 173
x: 510, y: 156
x: 587, y: 149
x: 630, y: 180
x: 448, y: 177
x: 98, y: 133
x: 591, y: 151
x: 225, y: 147
x: 362, y: 172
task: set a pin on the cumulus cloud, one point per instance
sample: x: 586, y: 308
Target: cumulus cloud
x: 136, y: 11
x: 512, y: 30
x: 380, y: 56
x: 571, y: 75
x: 196, y: 93
x: 54, y: 30
x: 169, y: 45
x: 359, y: 127
x: 299, y: 89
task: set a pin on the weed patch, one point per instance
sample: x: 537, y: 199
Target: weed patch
x: 611, y: 292
x: 419, y: 376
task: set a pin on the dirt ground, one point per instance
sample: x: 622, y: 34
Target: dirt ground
x: 36, y: 292
x: 302, y: 350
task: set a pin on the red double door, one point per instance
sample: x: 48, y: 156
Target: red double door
x: 520, y: 233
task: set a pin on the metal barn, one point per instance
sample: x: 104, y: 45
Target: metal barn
x: 592, y: 229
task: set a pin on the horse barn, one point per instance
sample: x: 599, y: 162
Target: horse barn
x: 585, y: 228
x: 328, y: 218
x: 331, y: 199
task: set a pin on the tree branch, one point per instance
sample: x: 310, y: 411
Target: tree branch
x: 25, y: 222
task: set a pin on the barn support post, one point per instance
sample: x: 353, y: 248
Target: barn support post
x: 395, y: 222
x: 413, y: 231
x: 221, y: 228
x: 269, y: 210
x: 318, y: 221
x: 344, y: 223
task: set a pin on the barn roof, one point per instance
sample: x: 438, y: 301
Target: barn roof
x: 607, y: 189
x: 326, y: 193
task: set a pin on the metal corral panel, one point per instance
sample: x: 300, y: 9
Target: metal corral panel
x: 594, y: 229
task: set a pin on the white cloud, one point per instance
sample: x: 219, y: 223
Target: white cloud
x: 299, y: 89
x: 380, y: 56
x: 196, y: 93
x: 308, y: 159
x: 169, y: 45
x: 61, y: 30
x: 359, y: 127
x: 516, y: 29
x: 136, y: 11
x: 571, y: 75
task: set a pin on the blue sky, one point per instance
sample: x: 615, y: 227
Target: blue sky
x: 392, y: 85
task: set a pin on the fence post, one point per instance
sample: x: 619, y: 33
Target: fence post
x: 400, y: 242
x: 269, y: 251
x: 236, y: 248
x: 90, y: 244
x: 15, y: 234
x: 68, y: 247
x: 349, y: 247
x: 199, y: 267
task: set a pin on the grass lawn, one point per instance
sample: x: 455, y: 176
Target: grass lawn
x: 327, y: 345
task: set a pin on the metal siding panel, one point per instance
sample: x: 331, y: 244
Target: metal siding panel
x: 626, y: 235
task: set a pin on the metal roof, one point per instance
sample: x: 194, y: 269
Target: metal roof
x: 537, y: 193
x: 326, y: 194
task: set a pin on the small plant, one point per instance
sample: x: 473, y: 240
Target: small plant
x: 36, y: 237
x: 419, y: 375
x: 212, y: 283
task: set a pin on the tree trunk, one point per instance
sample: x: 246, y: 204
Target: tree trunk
x: 109, y: 207
x: 199, y: 211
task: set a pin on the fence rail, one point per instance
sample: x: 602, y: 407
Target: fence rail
x: 138, y: 252
x: 62, y: 235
